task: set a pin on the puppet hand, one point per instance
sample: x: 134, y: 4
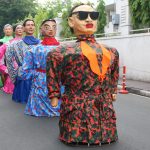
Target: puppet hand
x: 114, y: 96
x: 54, y: 102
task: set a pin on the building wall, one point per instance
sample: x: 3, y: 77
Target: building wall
x: 120, y: 7
x: 134, y: 51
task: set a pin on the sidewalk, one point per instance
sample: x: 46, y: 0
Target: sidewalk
x: 136, y: 87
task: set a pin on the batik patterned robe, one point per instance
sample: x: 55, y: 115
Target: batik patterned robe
x: 14, y: 57
x: 22, y: 88
x: 34, y: 68
x: 86, y: 114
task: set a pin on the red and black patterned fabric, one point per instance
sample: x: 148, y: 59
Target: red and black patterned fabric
x: 87, y: 114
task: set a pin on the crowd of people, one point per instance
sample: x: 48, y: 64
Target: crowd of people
x: 76, y: 81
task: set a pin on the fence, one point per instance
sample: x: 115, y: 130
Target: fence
x: 146, y: 30
x: 96, y: 36
x: 112, y: 34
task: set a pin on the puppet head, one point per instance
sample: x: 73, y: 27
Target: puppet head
x: 83, y: 20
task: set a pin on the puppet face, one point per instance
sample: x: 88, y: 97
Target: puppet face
x: 48, y: 29
x: 8, y: 31
x: 83, y: 20
x: 19, y: 30
x: 29, y: 28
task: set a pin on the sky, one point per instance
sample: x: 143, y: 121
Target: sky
x: 84, y: 1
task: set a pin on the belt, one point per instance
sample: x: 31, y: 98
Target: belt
x: 41, y: 70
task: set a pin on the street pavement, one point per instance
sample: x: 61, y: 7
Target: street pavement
x: 22, y: 132
x: 136, y: 87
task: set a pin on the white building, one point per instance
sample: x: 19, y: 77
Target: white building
x: 118, y: 17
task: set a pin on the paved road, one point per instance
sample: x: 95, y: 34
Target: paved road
x: 21, y: 132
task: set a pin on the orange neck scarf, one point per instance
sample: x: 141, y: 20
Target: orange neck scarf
x: 90, y: 54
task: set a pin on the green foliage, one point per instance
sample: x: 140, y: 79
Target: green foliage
x: 41, y: 15
x: 13, y: 10
x: 102, y: 17
x: 66, y: 33
x: 140, y: 13
x: 55, y: 7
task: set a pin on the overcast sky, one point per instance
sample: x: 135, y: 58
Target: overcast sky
x: 84, y: 1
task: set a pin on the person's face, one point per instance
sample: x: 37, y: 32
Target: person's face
x: 8, y: 31
x: 19, y: 30
x: 29, y: 28
x: 48, y: 29
x: 81, y: 22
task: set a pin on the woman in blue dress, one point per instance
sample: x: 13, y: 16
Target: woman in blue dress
x: 34, y: 67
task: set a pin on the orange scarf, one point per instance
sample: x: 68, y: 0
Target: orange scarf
x: 90, y: 54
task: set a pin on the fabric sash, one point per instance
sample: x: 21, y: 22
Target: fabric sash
x: 50, y: 41
x: 41, y: 70
x: 31, y: 40
x: 91, y: 55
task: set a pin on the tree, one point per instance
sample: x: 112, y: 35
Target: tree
x: 102, y: 17
x: 66, y: 33
x: 140, y: 13
x: 41, y: 15
x: 55, y: 7
x: 13, y: 10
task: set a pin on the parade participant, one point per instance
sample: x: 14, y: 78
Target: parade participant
x: 34, y: 67
x: 8, y: 31
x: 18, y: 31
x: 8, y: 84
x: 89, y: 72
x: 10, y: 59
x: 18, y: 49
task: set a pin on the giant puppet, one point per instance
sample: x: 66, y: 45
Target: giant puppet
x: 89, y: 72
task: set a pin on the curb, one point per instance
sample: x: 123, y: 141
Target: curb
x: 136, y: 91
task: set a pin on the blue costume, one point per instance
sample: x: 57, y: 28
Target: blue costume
x: 34, y: 68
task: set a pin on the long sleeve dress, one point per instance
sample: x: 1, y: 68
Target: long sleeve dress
x: 86, y: 114
x: 11, y: 63
x: 8, y: 85
x: 34, y: 68
x: 22, y: 87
